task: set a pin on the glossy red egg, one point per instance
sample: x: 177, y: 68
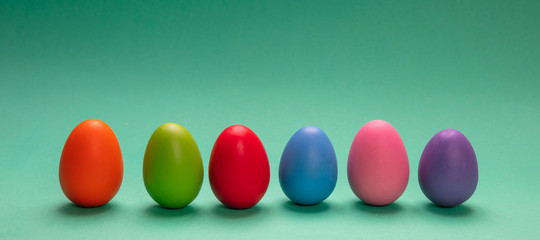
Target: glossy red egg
x: 91, y: 167
x: 238, y: 170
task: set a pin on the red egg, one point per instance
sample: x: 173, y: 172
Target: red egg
x: 239, y: 171
x: 91, y: 167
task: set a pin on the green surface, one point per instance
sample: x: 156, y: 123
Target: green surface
x: 274, y: 66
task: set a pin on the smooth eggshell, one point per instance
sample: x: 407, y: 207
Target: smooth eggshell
x: 308, y: 167
x: 91, y: 167
x: 448, y: 169
x: 172, y: 167
x: 239, y: 171
x: 378, y: 166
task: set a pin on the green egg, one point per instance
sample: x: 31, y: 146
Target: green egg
x: 172, y: 167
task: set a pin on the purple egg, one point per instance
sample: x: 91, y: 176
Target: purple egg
x: 448, y: 170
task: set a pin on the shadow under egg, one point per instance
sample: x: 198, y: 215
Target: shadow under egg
x: 156, y: 210
x: 71, y: 209
x: 316, y: 208
x: 392, y: 208
x: 225, y: 212
x: 457, y: 211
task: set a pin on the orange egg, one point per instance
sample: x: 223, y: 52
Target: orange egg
x: 91, y: 167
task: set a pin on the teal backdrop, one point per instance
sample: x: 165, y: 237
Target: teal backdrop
x: 274, y: 66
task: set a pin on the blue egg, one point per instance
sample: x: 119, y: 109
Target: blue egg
x: 308, y: 167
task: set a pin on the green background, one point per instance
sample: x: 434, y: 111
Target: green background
x: 274, y: 66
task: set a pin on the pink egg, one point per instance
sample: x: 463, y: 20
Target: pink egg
x: 378, y: 166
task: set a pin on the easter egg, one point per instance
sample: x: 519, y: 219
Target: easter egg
x: 378, y: 166
x: 448, y: 169
x: 308, y: 167
x: 91, y: 167
x: 172, y: 166
x: 239, y: 172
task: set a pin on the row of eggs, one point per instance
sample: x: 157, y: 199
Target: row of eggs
x: 91, y: 167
